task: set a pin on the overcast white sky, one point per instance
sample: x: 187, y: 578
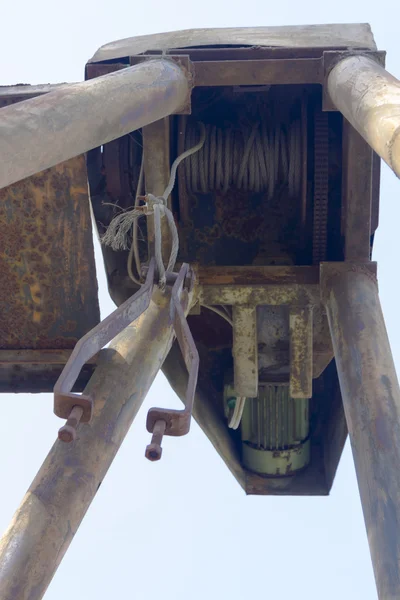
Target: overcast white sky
x: 218, y: 543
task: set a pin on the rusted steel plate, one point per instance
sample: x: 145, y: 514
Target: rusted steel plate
x: 244, y: 351
x: 36, y: 371
x: 301, y: 351
x: 257, y: 295
x: 48, y: 292
x: 257, y: 275
x: 38, y: 357
x: 259, y: 72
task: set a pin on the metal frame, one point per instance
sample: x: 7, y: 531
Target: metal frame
x: 65, y: 402
x: 371, y: 398
x: 52, y: 510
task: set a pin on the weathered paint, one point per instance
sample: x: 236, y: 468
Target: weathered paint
x: 44, y: 131
x: 369, y: 97
x: 56, y: 502
x: 245, y: 351
x: 301, y: 351
x: 48, y: 296
x: 371, y: 398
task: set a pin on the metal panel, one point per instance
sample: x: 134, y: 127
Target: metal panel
x: 356, y: 35
x: 48, y: 291
x: 259, y: 72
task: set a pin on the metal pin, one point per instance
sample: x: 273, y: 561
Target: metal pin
x: 154, y: 450
x: 67, y: 433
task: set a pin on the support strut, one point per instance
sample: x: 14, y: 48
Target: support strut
x: 369, y: 97
x: 41, y: 132
x: 56, y: 502
x: 371, y: 399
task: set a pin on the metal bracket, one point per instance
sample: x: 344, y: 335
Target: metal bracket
x: 161, y: 421
x: 66, y: 403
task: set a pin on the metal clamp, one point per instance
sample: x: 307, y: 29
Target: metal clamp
x: 161, y: 421
x: 78, y: 408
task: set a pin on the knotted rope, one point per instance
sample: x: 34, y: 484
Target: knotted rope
x: 117, y: 233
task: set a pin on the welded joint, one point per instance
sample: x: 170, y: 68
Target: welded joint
x: 186, y: 65
x: 329, y: 272
x: 331, y: 58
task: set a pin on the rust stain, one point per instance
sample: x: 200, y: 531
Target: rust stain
x: 48, y: 297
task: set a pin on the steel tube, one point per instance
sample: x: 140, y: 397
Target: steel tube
x: 369, y: 97
x: 41, y: 132
x: 55, y: 504
x: 371, y: 399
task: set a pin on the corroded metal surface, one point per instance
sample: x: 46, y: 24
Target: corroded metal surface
x: 371, y: 398
x: 257, y: 295
x: 249, y: 249
x: 89, y: 345
x: 302, y: 36
x: 48, y: 296
x: 177, y: 422
x: 58, y: 498
x: 252, y: 275
x: 301, y: 351
x: 245, y: 351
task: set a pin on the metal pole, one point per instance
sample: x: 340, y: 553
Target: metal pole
x: 55, y: 504
x: 369, y: 97
x: 41, y: 132
x: 371, y: 399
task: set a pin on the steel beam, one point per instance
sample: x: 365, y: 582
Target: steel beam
x: 301, y: 351
x: 44, y: 131
x: 245, y: 351
x: 281, y: 71
x: 369, y: 97
x: 371, y: 399
x: 55, y: 504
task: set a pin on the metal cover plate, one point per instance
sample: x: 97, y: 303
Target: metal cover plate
x: 48, y: 287
x: 356, y: 35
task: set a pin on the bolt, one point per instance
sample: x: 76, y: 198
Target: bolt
x: 67, y: 433
x: 154, y: 450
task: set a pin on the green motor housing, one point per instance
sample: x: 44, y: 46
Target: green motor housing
x: 275, y: 430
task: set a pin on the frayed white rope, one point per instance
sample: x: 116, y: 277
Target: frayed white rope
x: 117, y: 234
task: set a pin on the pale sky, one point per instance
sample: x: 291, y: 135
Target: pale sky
x: 211, y: 540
